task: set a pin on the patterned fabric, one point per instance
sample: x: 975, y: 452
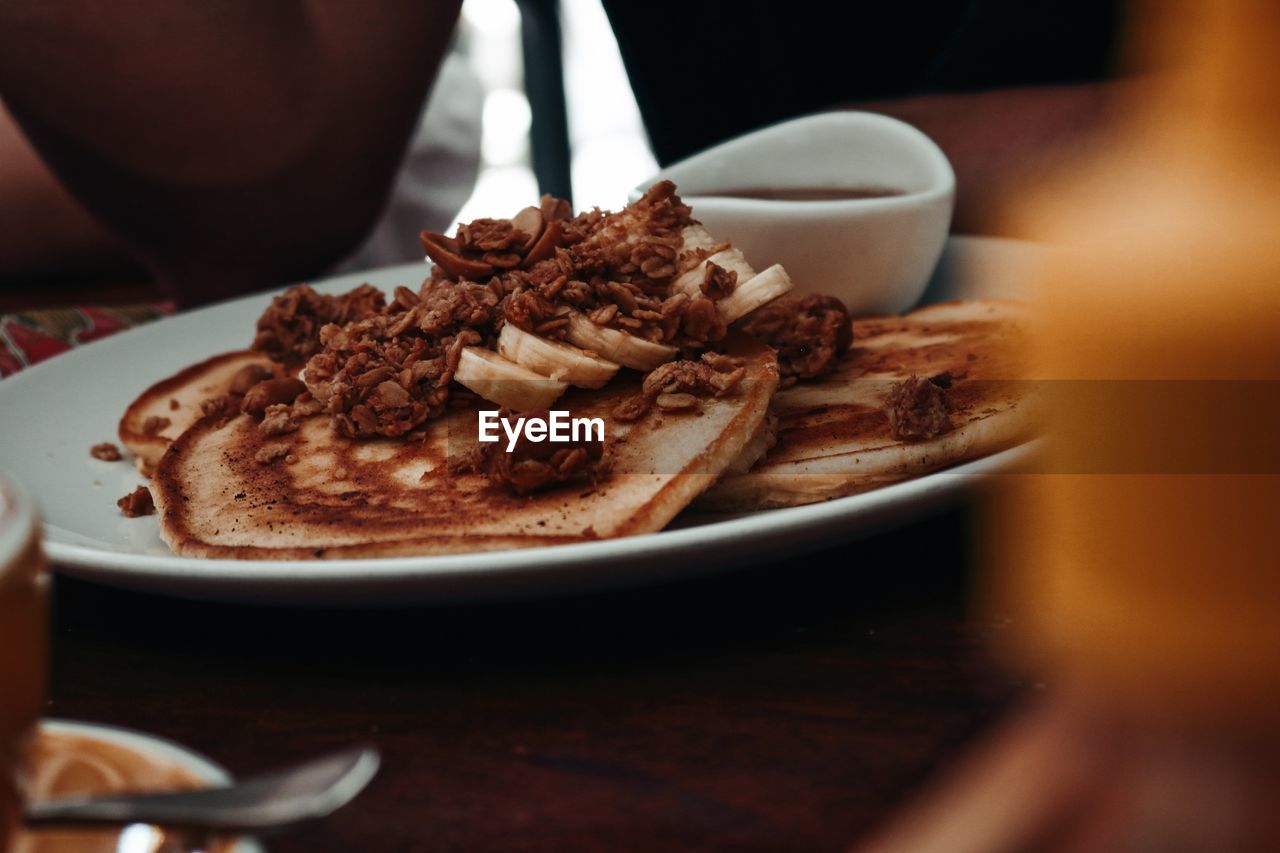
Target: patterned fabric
x: 28, y: 337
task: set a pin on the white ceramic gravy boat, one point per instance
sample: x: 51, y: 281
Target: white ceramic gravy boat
x: 874, y: 253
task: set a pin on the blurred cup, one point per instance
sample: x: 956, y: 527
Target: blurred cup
x: 1141, y: 562
x: 23, y: 645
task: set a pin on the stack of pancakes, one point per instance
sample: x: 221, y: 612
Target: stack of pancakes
x: 755, y: 449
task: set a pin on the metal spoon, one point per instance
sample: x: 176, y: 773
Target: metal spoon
x: 264, y: 803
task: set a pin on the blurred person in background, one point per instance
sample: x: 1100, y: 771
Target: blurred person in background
x: 1007, y: 89
x: 233, y: 146
x: 44, y: 232
x: 227, y: 146
x: 47, y: 236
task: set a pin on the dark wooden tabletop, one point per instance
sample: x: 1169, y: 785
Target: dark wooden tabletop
x: 786, y: 707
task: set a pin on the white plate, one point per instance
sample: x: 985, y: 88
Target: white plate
x: 53, y: 413
x: 164, y: 750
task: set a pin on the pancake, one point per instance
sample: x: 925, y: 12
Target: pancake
x: 177, y: 399
x: 833, y: 434
x: 343, y: 498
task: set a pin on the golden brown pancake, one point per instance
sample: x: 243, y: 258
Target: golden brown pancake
x: 177, y: 399
x: 342, y: 498
x: 833, y: 434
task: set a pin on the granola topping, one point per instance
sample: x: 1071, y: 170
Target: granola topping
x: 383, y: 369
x: 677, y: 385
x: 388, y: 373
x: 617, y: 268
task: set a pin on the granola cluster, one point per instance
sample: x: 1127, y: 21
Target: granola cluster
x: 616, y: 268
x: 387, y: 373
x: 484, y: 248
x: 289, y: 330
x: 919, y: 409
x: 137, y: 503
x: 677, y: 385
x: 809, y: 332
x: 375, y: 382
x: 106, y: 451
x: 279, y: 403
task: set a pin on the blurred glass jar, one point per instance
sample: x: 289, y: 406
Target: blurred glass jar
x: 1142, y: 563
x: 1139, y: 560
x: 49, y: 764
x: 23, y: 645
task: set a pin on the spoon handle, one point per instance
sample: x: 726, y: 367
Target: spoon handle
x: 274, y: 801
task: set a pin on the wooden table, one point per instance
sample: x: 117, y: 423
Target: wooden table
x: 782, y: 708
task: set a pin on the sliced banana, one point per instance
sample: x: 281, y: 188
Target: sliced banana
x: 697, y: 237
x: 763, y: 287
x: 731, y: 259
x: 530, y: 372
x: 552, y: 358
x: 616, y: 346
x: 505, y: 382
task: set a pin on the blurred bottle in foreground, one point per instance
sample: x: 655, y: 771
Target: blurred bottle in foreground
x: 1141, y: 563
x: 1145, y: 556
x: 22, y: 647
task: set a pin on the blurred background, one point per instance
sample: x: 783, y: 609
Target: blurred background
x: 608, y: 150
x: 479, y: 152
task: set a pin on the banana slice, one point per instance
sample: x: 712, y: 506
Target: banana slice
x: 505, y: 382
x: 697, y: 237
x: 764, y: 287
x: 616, y: 346
x: 731, y: 259
x: 753, y: 289
x: 552, y: 358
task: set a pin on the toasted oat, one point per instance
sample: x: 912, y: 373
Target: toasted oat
x: 153, y: 424
x: 676, y: 402
x: 269, y: 453
x: 106, y: 451
x: 137, y: 503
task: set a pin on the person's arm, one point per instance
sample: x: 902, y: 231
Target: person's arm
x: 232, y: 144
x: 1001, y: 140
x: 44, y: 232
